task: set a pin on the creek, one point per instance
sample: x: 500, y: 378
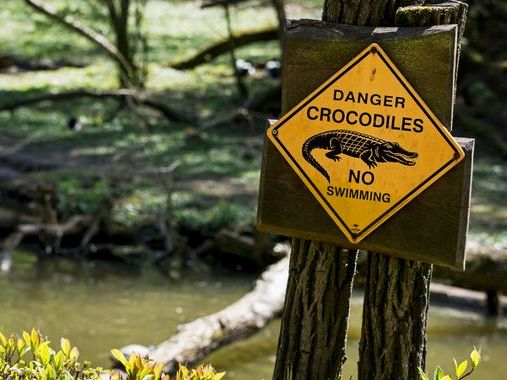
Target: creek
x: 100, y: 306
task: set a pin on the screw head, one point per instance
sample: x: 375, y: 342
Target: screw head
x: 274, y: 132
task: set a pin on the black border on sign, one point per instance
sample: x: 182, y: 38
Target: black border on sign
x: 410, y: 92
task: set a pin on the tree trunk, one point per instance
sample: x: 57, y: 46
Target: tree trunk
x: 314, y: 328
x: 395, y: 311
x: 393, y: 335
x: 316, y: 312
x: 314, y: 324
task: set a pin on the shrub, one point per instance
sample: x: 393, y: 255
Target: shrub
x: 45, y: 363
x: 32, y: 358
x: 139, y: 368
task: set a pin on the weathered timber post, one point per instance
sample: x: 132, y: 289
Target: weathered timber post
x: 315, y: 318
x: 395, y: 311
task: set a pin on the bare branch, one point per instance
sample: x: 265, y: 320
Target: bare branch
x: 137, y: 97
x: 222, y: 47
x: 91, y: 35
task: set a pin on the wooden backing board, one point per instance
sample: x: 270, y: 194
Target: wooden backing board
x: 433, y: 227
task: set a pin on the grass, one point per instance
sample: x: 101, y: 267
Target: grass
x: 217, y: 176
x: 214, y: 156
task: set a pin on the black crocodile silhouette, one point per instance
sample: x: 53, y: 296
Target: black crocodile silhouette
x: 370, y: 149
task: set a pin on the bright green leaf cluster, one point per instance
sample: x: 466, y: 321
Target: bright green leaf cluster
x: 141, y: 368
x: 203, y: 372
x: 31, y: 357
x: 460, y: 370
x: 138, y: 367
x: 45, y: 364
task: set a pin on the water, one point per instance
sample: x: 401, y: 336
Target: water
x: 100, y: 306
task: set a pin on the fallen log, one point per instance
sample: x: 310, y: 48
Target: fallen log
x: 222, y: 47
x: 55, y: 230
x: 242, y: 319
x: 10, y: 63
x: 122, y: 94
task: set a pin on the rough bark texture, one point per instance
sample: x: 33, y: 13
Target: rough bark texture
x: 315, y: 317
x: 243, y: 318
x: 393, y: 335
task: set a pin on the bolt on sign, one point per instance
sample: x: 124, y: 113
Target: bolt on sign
x: 365, y: 143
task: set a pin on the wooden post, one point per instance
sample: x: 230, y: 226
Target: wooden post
x: 315, y: 317
x: 393, y: 336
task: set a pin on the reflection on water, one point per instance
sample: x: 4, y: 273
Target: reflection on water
x: 100, y: 306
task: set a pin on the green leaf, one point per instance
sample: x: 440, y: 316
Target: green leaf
x: 58, y: 361
x: 21, y: 344
x: 118, y: 355
x: 3, y: 339
x: 44, y: 353
x: 157, y: 371
x: 74, y: 354
x: 438, y: 374
x: 460, y: 370
x: 475, y: 358
x: 35, y: 338
x: 446, y: 377
x: 66, y: 347
x: 27, y: 338
x: 131, y: 363
x: 50, y: 372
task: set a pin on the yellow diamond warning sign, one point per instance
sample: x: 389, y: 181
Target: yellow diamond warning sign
x: 365, y: 143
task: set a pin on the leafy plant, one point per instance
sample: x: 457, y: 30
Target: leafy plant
x: 141, y: 368
x: 46, y: 363
x: 460, y: 370
x: 138, y: 367
x: 203, y: 372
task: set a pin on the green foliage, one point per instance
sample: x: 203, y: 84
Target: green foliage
x: 30, y: 357
x: 46, y: 363
x: 203, y: 372
x: 460, y: 370
x: 78, y: 196
x: 212, y: 217
x: 140, y: 368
